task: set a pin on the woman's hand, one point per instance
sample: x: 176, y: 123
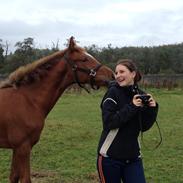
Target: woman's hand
x: 137, y: 101
x: 152, y: 102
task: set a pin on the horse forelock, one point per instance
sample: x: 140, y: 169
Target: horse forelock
x: 31, y: 71
x: 89, y: 55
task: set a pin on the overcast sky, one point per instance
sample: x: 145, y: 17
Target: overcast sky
x: 100, y: 22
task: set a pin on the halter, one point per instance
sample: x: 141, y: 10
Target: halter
x: 91, y: 72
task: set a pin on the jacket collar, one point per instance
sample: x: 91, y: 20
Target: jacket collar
x: 131, y: 89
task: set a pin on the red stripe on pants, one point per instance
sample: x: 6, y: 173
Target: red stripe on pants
x: 101, y: 175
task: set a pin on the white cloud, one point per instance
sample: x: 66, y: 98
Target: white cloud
x: 127, y: 22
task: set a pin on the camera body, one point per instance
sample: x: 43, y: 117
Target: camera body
x: 145, y: 99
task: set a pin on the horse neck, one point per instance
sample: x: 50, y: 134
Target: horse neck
x: 47, y: 91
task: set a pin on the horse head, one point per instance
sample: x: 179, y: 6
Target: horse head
x: 85, y: 68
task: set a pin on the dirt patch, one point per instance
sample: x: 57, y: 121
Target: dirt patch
x: 93, y: 177
x: 44, y: 177
x: 53, y: 177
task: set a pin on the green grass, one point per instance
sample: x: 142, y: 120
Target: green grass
x: 66, y: 152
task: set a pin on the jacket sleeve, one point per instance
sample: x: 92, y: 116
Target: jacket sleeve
x: 148, y: 117
x: 114, y: 117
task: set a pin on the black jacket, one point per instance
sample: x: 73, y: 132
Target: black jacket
x: 122, y: 122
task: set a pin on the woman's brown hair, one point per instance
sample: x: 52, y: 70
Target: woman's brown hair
x: 131, y: 67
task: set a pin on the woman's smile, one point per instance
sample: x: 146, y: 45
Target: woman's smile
x: 124, y: 76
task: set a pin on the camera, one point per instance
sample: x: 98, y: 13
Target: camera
x: 145, y: 98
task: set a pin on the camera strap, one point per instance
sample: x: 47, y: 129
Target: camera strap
x: 142, y: 139
x: 136, y: 90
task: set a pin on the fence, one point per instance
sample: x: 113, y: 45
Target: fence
x: 163, y: 81
x: 2, y: 76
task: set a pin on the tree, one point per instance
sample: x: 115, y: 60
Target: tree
x: 24, y: 52
x: 1, y: 51
x: 26, y: 47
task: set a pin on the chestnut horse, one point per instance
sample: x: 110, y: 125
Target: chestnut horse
x: 31, y: 91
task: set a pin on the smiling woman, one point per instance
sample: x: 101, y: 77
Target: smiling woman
x: 124, y: 116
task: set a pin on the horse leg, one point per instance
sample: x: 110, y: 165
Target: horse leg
x: 14, y: 176
x: 21, y: 164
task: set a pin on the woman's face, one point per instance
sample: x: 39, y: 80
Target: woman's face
x: 124, y: 76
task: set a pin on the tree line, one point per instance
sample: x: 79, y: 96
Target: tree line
x: 164, y: 59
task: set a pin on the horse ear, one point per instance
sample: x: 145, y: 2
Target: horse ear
x: 72, y: 43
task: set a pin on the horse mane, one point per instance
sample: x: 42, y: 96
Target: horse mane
x: 35, y: 70
x: 31, y: 72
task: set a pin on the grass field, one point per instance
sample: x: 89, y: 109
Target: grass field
x: 66, y: 152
